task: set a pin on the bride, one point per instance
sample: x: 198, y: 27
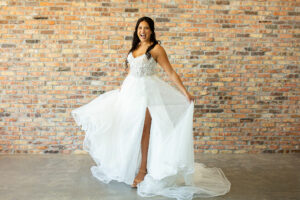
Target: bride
x: 142, y: 133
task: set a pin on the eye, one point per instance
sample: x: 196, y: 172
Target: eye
x: 142, y: 27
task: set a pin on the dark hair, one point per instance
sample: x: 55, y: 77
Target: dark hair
x: 136, y: 39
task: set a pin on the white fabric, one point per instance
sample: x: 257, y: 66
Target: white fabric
x: 113, y: 123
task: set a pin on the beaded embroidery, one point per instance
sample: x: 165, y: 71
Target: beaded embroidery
x: 141, y: 66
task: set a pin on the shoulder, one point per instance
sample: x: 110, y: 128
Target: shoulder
x: 157, y: 51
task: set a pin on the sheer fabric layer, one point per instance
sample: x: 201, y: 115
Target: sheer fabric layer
x: 113, y: 123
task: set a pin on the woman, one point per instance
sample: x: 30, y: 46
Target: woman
x: 142, y: 133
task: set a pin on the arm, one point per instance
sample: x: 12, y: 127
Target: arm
x: 163, y: 61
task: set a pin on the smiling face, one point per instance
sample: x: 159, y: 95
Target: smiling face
x: 144, y: 31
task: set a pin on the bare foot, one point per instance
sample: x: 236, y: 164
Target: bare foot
x: 139, y: 177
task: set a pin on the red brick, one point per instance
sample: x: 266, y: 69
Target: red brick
x: 243, y: 69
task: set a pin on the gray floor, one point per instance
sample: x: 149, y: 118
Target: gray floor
x: 55, y: 177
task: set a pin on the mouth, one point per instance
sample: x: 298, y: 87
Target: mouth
x: 143, y: 36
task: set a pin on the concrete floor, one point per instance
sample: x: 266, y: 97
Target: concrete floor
x: 68, y: 177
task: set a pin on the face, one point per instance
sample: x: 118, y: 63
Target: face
x: 144, y: 31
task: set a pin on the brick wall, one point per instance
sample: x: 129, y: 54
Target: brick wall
x: 239, y: 58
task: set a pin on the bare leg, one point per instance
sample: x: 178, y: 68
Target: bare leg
x: 144, y: 146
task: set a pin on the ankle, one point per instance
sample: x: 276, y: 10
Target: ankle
x: 143, y: 170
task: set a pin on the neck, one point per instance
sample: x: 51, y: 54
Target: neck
x: 145, y: 43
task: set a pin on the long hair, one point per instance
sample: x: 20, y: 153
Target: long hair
x: 136, y: 39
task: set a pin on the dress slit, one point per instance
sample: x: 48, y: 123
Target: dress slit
x: 141, y: 140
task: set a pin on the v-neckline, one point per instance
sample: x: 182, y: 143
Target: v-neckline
x: 137, y: 56
x: 141, y: 56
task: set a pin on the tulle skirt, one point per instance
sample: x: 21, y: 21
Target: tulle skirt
x: 113, y: 123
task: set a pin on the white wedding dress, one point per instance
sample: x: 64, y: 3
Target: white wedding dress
x: 113, y: 123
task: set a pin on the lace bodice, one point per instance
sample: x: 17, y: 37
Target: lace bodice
x: 141, y: 66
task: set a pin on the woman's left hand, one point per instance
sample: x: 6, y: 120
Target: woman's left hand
x: 190, y: 97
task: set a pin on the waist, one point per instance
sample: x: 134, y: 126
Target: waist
x: 141, y: 73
